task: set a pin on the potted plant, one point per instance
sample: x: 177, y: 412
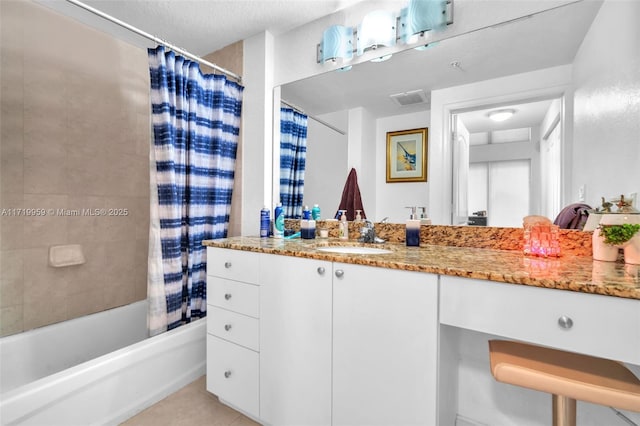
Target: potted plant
x: 617, y: 231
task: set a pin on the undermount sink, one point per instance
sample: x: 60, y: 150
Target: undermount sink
x: 354, y: 250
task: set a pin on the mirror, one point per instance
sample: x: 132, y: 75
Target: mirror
x: 536, y: 42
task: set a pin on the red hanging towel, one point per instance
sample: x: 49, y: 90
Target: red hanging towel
x: 351, y: 199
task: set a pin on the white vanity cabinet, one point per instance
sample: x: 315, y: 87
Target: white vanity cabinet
x: 344, y: 344
x: 232, y: 328
x: 295, y: 341
x: 385, y: 328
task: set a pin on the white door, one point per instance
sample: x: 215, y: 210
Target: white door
x: 551, y: 171
x: 460, y: 142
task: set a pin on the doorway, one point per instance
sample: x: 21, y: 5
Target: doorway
x: 513, y: 167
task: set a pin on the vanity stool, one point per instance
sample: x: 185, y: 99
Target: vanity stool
x: 566, y: 375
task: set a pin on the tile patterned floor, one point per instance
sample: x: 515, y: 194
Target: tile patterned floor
x: 191, y: 405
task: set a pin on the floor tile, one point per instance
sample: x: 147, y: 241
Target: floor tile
x: 188, y: 406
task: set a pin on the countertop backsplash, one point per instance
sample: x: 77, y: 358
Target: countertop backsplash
x: 575, y: 243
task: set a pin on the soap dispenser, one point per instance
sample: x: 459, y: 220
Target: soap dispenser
x: 358, y: 216
x: 424, y: 219
x: 412, y: 230
x: 344, y: 226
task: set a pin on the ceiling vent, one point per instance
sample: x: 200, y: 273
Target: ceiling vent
x: 410, y: 98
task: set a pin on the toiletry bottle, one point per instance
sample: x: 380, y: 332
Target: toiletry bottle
x: 358, y: 216
x: 344, y: 226
x: 306, y: 231
x: 424, y: 219
x: 315, y: 212
x: 265, y: 222
x: 278, y: 222
x: 311, y: 228
x: 412, y: 229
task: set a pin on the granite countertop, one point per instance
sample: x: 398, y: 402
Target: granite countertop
x: 569, y: 272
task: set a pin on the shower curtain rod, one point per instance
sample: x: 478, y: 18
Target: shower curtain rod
x: 155, y: 39
x: 324, y: 123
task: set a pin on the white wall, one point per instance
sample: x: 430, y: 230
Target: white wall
x: 392, y: 198
x: 326, y: 166
x: 366, y: 152
x: 257, y: 131
x: 361, y: 156
x: 606, y: 75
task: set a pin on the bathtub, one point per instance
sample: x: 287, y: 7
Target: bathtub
x: 130, y: 372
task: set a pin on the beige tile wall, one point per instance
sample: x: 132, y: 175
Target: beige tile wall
x: 74, y: 135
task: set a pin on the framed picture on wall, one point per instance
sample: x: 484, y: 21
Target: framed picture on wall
x: 407, y: 156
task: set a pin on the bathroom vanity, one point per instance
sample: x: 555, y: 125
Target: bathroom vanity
x: 302, y: 336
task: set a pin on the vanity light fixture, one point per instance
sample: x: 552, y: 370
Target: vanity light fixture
x: 421, y: 16
x: 337, y: 44
x: 501, y: 114
x: 382, y: 28
x: 377, y: 29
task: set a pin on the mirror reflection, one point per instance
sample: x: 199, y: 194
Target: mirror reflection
x: 529, y: 164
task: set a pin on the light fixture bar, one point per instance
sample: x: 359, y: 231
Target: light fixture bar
x: 351, y: 43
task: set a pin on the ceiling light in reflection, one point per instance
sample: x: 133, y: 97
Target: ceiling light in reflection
x: 501, y: 114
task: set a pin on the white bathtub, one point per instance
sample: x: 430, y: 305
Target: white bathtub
x: 105, y: 390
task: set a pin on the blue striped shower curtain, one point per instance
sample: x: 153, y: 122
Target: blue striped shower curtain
x: 293, y: 152
x: 196, y: 119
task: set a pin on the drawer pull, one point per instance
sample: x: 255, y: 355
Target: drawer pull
x: 227, y: 327
x: 339, y: 273
x: 227, y: 296
x: 227, y: 265
x: 565, y: 322
x: 227, y: 374
x: 321, y: 270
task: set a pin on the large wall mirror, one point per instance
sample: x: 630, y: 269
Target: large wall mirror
x: 512, y: 168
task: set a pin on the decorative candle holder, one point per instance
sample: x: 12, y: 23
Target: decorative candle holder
x: 541, y: 240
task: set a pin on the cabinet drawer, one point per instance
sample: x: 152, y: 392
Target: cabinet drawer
x: 235, y: 265
x: 603, y: 326
x: 233, y: 327
x: 233, y: 296
x: 232, y: 374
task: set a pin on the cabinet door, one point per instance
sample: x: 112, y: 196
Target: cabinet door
x: 295, y: 341
x: 385, y: 327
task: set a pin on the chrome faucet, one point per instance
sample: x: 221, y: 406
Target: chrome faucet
x: 368, y: 233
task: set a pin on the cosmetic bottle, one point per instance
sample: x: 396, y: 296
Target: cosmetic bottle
x: 265, y: 222
x: 307, y: 225
x: 344, y: 226
x: 315, y: 212
x: 278, y: 222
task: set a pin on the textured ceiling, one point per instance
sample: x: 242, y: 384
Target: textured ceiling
x: 202, y: 26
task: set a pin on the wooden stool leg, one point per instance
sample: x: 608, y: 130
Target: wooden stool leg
x: 564, y: 411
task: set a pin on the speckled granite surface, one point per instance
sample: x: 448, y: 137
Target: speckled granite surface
x: 570, y: 272
x: 576, y: 243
